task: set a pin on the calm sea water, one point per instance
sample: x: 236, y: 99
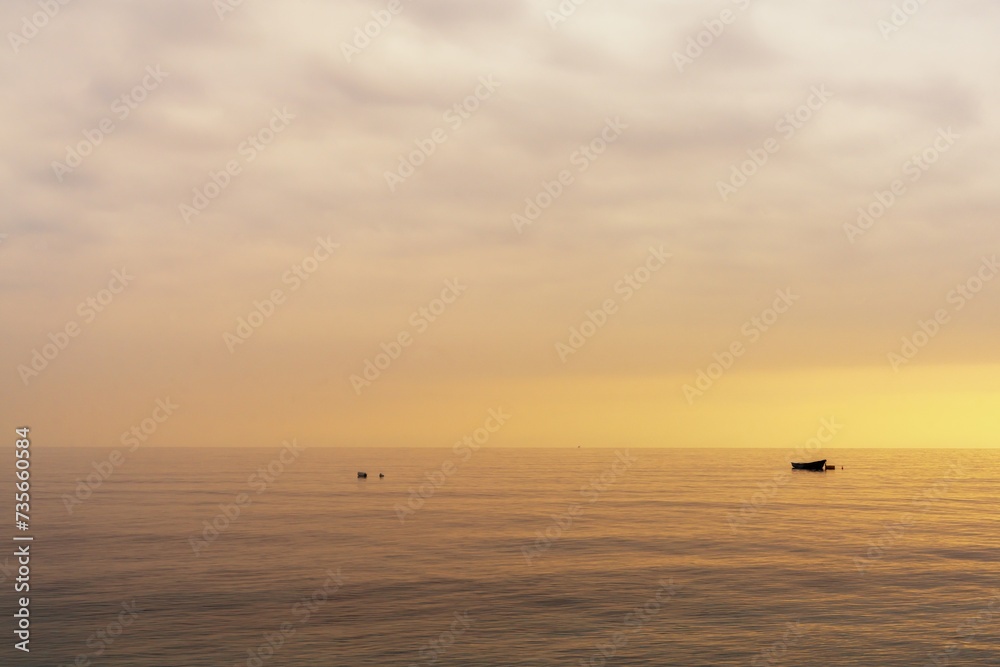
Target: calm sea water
x: 551, y: 557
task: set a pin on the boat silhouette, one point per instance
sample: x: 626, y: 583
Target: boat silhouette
x: 818, y: 466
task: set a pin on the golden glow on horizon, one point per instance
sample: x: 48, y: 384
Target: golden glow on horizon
x: 532, y: 138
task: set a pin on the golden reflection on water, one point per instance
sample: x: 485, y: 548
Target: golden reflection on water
x: 535, y: 557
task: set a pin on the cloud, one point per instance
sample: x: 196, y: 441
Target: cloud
x: 325, y: 174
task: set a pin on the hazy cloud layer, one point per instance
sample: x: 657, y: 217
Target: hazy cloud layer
x: 551, y: 87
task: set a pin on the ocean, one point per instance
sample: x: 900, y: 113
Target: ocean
x: 283, y: 557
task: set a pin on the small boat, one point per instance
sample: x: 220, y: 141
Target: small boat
x: 362, y: 475
x: 813, y: 465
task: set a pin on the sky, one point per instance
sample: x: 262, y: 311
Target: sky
x: 639, y: 224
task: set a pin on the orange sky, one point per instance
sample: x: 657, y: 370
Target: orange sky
x: 612, y: 223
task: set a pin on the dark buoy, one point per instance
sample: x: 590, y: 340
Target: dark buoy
x: 362, y: 475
